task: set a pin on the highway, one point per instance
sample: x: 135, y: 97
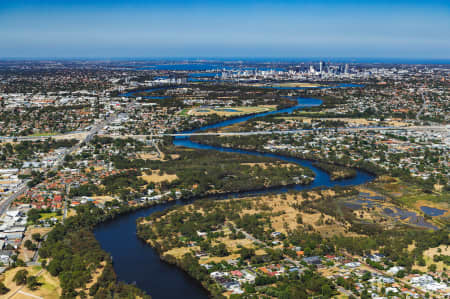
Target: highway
x: 87, y: 136
x: 23, y: 188
x: 350, y: 129
x: 71, y: 135
x: 424, y: 105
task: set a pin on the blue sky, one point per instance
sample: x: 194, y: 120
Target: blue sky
x: 95, y: 28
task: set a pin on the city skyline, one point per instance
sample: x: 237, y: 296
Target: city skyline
x: 288, y: 29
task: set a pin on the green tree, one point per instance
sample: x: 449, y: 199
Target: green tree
x: 327, y: 291
x: 432, y: 268
x: 3, y: 289
x: 29, y: 245
x: 220, y: 250
x: 366, y: 276
x: 36, y: 237
x: 21, y: 277
x: 401, y: 274
x: 247, y: 253
x: 34, y: 215
x: 32, y: 282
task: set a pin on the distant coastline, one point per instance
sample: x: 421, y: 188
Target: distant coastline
x: 369, y: 60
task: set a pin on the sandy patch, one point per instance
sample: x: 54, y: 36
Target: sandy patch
x: 216, y: 259
x: 102, y: 199
x: 428, y: 257
x: 284, y: 216
x: 180, y: 251
x: 95, y: 168
x: 149, y: 156
x: 229, y: 111
x: 49, y: 289
x: 155, y: 177
x: 71, y: 212
x: 233, y: 245
x: 396, y: 123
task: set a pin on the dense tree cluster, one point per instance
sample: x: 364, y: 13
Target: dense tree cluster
x: 212, y: 171
x: 74, y: 254
x: 335, y: 171
x: 394, y: 245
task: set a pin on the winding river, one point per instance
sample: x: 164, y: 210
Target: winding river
x: 136, y: 262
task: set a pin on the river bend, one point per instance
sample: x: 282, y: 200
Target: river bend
x: 136, y: 262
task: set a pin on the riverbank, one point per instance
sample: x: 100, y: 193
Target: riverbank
x: 336, y: 172
x: 115, y: 238
x: 256, y: 144
x: 249, y: 238
x: 214, y: 239
x: 76, y: 239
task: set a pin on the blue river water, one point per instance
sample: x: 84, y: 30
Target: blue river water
x: 136, y: 262
x: 432, y: 211
x: 132, y: 94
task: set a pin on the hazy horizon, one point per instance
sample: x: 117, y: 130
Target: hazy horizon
x: 195, y: 60
x: 177, y: 29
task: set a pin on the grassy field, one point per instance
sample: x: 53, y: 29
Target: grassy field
x: 233, y: 246
x: 185, y: 111
x: 45, y: 216
x: 412, y: 197
x: 407, y: 193
x: 155, y: 177
x: 428, y: 257
x: 49, y: 289
x: 149, y: 156
x: 433, y: 199
x: 230, y: 111
x: 284, y: 215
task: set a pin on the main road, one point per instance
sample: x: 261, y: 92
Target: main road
x: 424, y: 105
x: 23, y: 187
x: 348, y: 129
x: 87, y: 136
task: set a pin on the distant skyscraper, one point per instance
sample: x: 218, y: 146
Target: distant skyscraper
x: 346, y: 68
x: 321, y: 67
x: 311, y: 69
